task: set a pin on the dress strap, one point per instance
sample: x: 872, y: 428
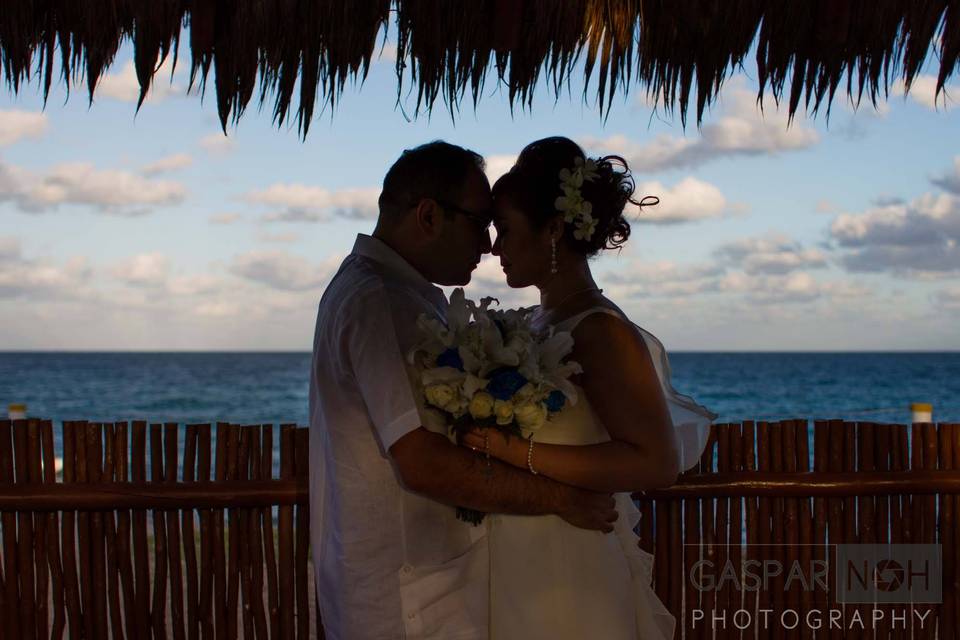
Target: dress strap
x: 571, y: 323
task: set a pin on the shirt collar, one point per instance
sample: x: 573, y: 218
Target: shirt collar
x: 379, y: 251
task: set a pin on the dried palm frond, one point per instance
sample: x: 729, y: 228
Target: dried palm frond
x: 675, y: 51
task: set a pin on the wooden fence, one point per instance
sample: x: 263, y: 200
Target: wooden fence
x: 762, y: 493
x: 108, y: 552
x: 105, y: 551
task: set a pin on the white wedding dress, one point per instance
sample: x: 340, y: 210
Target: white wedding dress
x: 552, y: 581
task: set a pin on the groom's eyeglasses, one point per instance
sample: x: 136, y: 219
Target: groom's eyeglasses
x: 482, y: 221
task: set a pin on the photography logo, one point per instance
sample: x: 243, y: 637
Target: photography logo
x: 843, y: 587
x: 895, y: 573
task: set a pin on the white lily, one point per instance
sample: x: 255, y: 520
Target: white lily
x: 436, y: 338
x: 472, y: 360
x: 458, y: 312
x: 447, y: 375
x: 554, y: 349
x: 497, y: 352
x: 559, y: 378
x: 472, y: 384
x: 553, y: 371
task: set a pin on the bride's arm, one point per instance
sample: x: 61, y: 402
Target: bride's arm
x: 621, y: 383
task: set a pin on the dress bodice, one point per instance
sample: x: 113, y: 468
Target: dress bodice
x: 579, y: 424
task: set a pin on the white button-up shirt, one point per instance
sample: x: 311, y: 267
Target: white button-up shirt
x: 388, y: 563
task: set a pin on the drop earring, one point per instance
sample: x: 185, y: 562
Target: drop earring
x: 553, y: 255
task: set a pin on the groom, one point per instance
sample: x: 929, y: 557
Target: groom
x: 391, y: 559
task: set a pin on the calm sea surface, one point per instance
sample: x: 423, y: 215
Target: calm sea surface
x: 258, y: 388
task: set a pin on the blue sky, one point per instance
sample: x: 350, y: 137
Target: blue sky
x: 153, y: 231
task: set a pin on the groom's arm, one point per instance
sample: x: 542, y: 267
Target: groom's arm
x: 429, y: 464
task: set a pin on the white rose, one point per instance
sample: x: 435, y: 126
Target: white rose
x: 503, y: 409
x: 481, y: 405
x: 457, y: 406
x: 531, y: 416
x: 524, y: 394
x: 439, y: 395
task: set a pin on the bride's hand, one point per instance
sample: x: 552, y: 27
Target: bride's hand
x: 509, y: 449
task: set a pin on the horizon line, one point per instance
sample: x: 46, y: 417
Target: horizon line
x: 304, y: 351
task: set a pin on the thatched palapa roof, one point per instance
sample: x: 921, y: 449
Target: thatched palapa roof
x: 679, y: 52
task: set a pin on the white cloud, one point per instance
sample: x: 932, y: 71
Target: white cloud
x: 923, y: 91
x: 645, y: 100
x: 56, y: 303
x: 124, y: 85
x: 152, y: 284
x: 16, y: 125
x: 794, y: 287
x: 766, y: 270
x: 283, y: 271
x: 388, y: 53
x: 787, y: 288
x: 947, y: 299
x: 864, y: 110
x: 742, y: 130
x: 950, y: 180
x: 194, y: 285
x: 304, y: 203
x: 919, y: 222
x: 664, y: 278
x: 668, y: 271
x: 9, y: 248
x: 167, y: 164
x: 488, y: 280
x: 217, y: 144
x: 799, y: 287
x: 219, y: 309
x: 143, y: 270
x: 281, y: 238
x: 13, y: 180
x: 918, y: 239
x: 498, y: 165
x: 39, y: 279
x: 770, y: 254
x: 687, y: 201
x: 108, y: 191
x: 225, y: 218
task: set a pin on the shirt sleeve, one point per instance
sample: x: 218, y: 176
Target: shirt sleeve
x: 378, y: 361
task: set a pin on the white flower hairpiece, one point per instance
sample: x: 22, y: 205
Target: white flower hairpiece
x: 575, y: 209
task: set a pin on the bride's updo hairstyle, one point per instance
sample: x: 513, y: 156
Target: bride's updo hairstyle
x: 534, y: 184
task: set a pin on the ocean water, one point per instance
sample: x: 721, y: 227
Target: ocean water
x: 257, y: 388
x: 260, y: 388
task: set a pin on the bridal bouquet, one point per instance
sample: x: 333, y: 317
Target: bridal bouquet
x: 486, y: 367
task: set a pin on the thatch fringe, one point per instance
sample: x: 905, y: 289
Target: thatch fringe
x: 673, y: 50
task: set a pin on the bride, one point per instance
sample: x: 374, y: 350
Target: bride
x: 629, y: 430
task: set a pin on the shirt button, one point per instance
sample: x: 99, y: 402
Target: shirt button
x: 411, y: 615
x: 406, y: 569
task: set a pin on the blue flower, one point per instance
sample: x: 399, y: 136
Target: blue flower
x: 450, y: 358
x: 555, y: 401
x: 504, y: 383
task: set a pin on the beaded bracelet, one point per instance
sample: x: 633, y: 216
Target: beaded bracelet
x: 488, y: 468
x: 530, y: 458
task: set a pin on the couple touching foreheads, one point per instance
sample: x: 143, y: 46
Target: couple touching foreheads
x: 557, y: 557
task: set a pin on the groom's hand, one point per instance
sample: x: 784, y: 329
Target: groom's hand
x: 590, y: 510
